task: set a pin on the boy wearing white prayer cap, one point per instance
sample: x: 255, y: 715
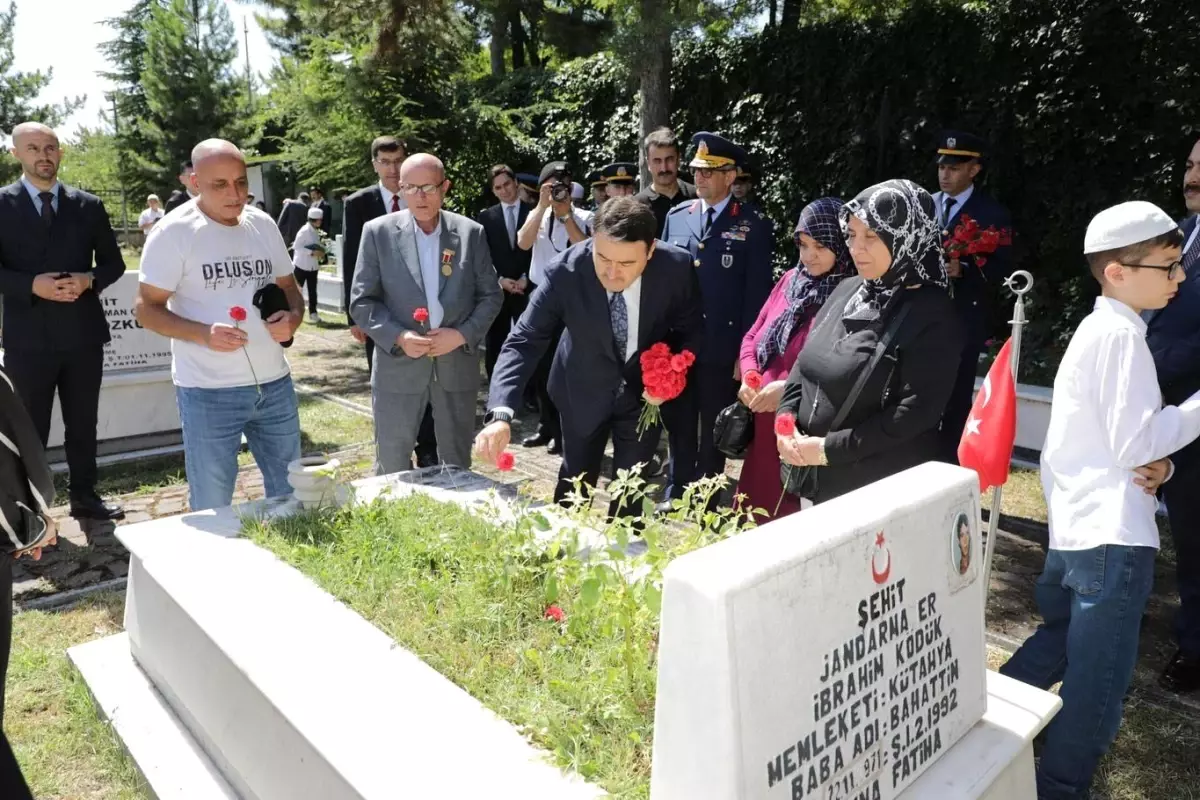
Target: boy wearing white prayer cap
x: 307, y: 252
x: 1105, y: 455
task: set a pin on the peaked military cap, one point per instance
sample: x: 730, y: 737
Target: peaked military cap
x: 528, y: 180
x: 595, y: 179
x: 621, y: 172
x: 956, y: 147
x: 715, y: 152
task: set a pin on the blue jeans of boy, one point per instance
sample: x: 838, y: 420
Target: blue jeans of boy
x: 213, y: 423
x: 1091, y: 602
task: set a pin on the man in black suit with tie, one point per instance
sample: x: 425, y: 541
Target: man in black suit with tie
x: 960, y: 160
x: 500, y: 224
x: 181, y: 196
x: 54, y: 326
x: 1173, y: 335
x: 617, y: 294
x: 387, y: 155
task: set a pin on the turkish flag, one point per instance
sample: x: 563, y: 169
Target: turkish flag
x: 987, y: 441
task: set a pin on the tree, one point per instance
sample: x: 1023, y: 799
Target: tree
x: 191, y: 87
x: 126, y: 53
x: 19, y: 92
x: 92, y: 162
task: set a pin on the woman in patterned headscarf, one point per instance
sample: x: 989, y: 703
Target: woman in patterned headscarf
x: 770, y: 347
x: 901, y: 290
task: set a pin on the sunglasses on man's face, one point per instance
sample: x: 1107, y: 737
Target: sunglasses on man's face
x: 1173, y: 269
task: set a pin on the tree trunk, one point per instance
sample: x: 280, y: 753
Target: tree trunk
x: 654, y: 74
x: 791, y: 13
x: 773, y: 19
x: 533, y: 15
x: 498, y: 29
x: 516, y: 36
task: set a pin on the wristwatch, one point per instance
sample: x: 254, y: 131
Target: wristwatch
x: 497, y: 415
x: 563, y: 219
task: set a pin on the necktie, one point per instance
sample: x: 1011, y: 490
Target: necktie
x: 511, y: 221
x: 47, y: 199
x: 708, y: 220
x: 395, y: 203
x: 947, y: 207
x: 1191, y: 256
x: 618, y: 314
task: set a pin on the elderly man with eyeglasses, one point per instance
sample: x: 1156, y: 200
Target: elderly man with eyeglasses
x: 426, y: 292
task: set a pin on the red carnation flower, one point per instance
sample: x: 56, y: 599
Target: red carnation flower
x: 505, y: 462
x: 753, y: 379
x: 421, y: 315
x: 690, y: 356
x: 785, y: 425
x: 237, y: 314
x: 555, y: 613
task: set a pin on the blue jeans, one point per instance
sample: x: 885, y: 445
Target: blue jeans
x: 1091, y: 602
x: 213, y: 423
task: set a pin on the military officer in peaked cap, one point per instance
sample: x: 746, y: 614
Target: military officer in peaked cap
x: 527, y: 188
x: 731, y: 246
x: 743, y: 185
x: 974, y: 278
x: 620, y: 178
x: 599, y: 188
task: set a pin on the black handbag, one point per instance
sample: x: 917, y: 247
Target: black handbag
x: 803, y: 481
x: 733, y: 430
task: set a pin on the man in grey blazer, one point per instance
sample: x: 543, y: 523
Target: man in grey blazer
x: 435, y: 261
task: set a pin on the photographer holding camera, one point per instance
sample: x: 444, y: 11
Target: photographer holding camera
x: 549, y: 235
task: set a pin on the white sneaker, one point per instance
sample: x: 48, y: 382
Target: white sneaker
x: 313, y: 318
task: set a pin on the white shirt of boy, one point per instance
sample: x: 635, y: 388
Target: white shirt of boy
x: 302, y: 257
x: 1106, y: 420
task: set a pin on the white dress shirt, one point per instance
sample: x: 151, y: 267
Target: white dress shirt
x: 302, y: 257
x: 1106, y: 420
x: 34, y: 192
x: 550, y: 243
x: 387, y: 199
x: 429, y: 252
x: 960, y: 200
x: 633, y: 311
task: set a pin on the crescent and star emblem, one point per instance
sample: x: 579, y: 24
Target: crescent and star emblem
x: 877, y: 575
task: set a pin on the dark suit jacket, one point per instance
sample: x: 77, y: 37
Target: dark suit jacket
x: 1174, y: 336
x: 974, y: 291
x: 81, y: 232
x: 359, y: 209
x: 327, y: 220
x: 510, y: 261
x: 573, y: 296
x: 292, y: 217
x: 177, y: 198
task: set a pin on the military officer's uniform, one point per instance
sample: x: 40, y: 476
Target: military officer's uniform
x: 622, y: 175
x: 731, y: 246
x: 978, y: 284
x: 597, y: 187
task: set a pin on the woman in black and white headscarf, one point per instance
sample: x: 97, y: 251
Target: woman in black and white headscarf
x: 900, y: 295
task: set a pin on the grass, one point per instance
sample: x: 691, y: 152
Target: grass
x: 1022, y: 496
x: 470, y: 598
x: 133, y: 259
x: 65, y: 751
x: 324, y: 426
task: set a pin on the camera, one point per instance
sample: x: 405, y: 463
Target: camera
x: 560, y: 192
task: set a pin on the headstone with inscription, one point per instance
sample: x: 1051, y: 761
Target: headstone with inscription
x: 132, y: 346
x: 836, y: 653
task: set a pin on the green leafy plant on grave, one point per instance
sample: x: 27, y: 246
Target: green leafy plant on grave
x: 550, y: 617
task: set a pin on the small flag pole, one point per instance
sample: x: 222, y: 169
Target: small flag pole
x: 1019, y: 283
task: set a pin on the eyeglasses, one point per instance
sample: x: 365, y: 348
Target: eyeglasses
x: 706, y: 172
x: 411, y: 189
x: 1173, y: 269
x: 389, y: 163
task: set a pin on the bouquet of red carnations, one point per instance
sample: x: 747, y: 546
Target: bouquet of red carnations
x: 971, y: 240
x: 664, y: 376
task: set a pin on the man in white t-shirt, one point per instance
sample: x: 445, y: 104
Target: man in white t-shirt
x: 151, y: 214
x: 548, y: 235
x: 201, y: 269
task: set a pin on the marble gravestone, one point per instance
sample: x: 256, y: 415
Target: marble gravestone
x: 836, y: 653
x: 132, y: 346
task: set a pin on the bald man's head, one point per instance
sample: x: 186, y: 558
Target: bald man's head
x: 219, y: 178
x: 427, y: 174
x: 36, y: 146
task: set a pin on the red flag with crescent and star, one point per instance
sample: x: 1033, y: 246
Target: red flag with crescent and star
x: 987, y: 440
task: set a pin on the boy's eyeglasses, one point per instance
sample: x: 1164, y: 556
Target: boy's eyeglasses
x: 1173, y: 269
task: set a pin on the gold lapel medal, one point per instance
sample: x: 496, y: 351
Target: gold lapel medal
x: 447, y: 257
